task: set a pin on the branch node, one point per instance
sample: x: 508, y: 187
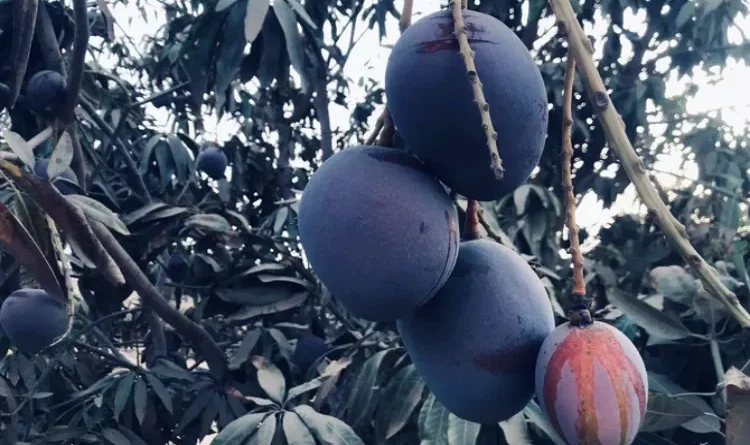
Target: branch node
x: 601, y: 100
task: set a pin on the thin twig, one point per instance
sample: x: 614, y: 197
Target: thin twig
x: 376, y: 131
x: 611, y: 122
x: 476, y: 84
x: 579, y: 285
x: 75, y: 78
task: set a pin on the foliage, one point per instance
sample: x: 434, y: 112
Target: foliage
x: 127, y: 375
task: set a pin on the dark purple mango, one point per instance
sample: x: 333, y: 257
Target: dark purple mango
x: 213, y: 162
x: 379, y: 231
x: 475, y: 343
x: 32, y: 320
x: 45, y: 92
x: 432, y: 103
x: 309, y: 348
x: 592, y: 384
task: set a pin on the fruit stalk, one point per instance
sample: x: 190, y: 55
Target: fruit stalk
x: 476, y: 84
x: 472, y: 225
x: 580, y: 48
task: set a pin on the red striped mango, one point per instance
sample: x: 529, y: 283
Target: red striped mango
x: 592, y: 384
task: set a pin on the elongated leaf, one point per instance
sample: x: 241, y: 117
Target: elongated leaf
x: 27, y: 252
x: 300, y: 10
x: 135, y: 215
x: 224, y: 4
x: 255, y: 15
x: 462, y: 432
x: 705, y: 423
x: 20, y: 147
x: 401, y: 397
x: 193, y: 410
x: 115, y: 437
x: 306, y: 387
x: 231, y: 48
x: 98, y: 211
x: 209, y: 221
x: 328, y: 429
x: 239, y: 430
x: 161, y: 391
x: 665, y: 412
x: 122, y: 395
x: 433, y: 422
x: 648, y: 317
x: 180, y: 156
x: 361, y: 400
x: 249, y: 312
x: 536, y: 416
x: 264, y: 434
x: 270, y: 378
x: 738, y: 406
x: 140, y: 400
x: 246, y: 347
x: 295, y: 430
x: 288, y: 21
x: 259, y: 295
x: 61, y: 156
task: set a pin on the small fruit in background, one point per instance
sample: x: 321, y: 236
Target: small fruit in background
x: 592, y: 384
x: 177, y: 267
x: 475, y: 343
x: 66, y: 182
x: 309, y: 348
x: 379, y: 231
x: 32, y: 320
x: 212, y: 161
x: 432, y: 103
x: 45, y: 92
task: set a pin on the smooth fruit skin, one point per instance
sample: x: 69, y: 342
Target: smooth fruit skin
x: 213, y: 162
x: 475, y: 344
x: 379, y: 231
x: 309, y: 348
x: 32, y: 320
x: 592, y: 384
x: 177, y: 267
x: 45, y: 92
x: 40, y: 169
x: 433, y: 107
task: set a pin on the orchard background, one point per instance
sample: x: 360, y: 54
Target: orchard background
x: 161, y: 78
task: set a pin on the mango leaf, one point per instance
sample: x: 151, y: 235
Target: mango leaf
x: 737, y: 385
x: 209, y: 221
x: 300, y: 10
x: 61, y: 156
x: 180, y: 156
x: 231, y: 48
x: 197, y: 405
x: 264, y: 434
x: 361, y: 401
x: 243, y: 352
x: 535, y: 415
x: 327, y: 429
x: 515, y: 430
x: 433, y: 422
x: 295, y: 430
x: 122, y: 395
x: 401, y: 397
x: 462, y: 432
x: 98, y: 211
x: 255, y: 15
x: 135, y: 215
x: 705, y: 423
x: 239, y: 430
x: 249, y: 312
x: 140, y: 400
x: 27, y: 252
x: 114, y: 437
x: 270, y: 378
x: 260, y: 294
x: 288, y: 21
x: 20, y: 147
x: 160, y: 390
x: 306, y: 387
x: 665, y: 412
x: 654, y: 322
x: 223, y: 4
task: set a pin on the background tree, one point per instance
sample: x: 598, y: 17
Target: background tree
x: 273, y: 73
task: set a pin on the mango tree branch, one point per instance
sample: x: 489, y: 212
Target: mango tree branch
x: 476, y: 84
x: 580, y: 48
x: 195, y: 334
x: 24, y: 17
x: 80, y: 45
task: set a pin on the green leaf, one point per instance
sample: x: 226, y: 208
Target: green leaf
x: 224, y: 4
x: 328, y: 429
x: 401, y: 397
x: 140, y: 400
x: 270, y: 378
x: 737, y: 385
x: 98, y: 211
x: 61, y: 156
x: 433, y: 422
x: 231, y: 49
x: 180, y: 156
x: 665, y: 412
x: 239, y: 430
x: 209, y: 221
x: 288, y: 21
x: 246, y: 347
x: 521, y: 198
x: 258, y: 295
x: 649, y: 318
x: 20, y: 147
x: 264, y: 434
x: 706, y: 423
x: 197, y: 406
x: 536, y: 416
x: 300, y: 10
x: 249, y: 312
x: 281, y: 215
x: 462, y: 432
x: 306, y: 387
x: 255, y: 15
x: 686, y: 13
x: 123, y: 393
x: 295, y: 430
x: 161, y: 391
x: 115, y: 437
x: 515, y: 430
x: 361, y: 401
